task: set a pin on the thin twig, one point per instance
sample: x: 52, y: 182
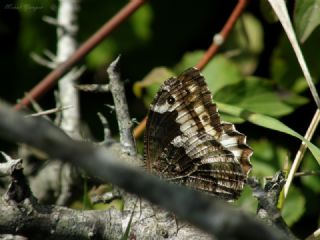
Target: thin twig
x: 49, y: 81
x: 93, y: 87
x: 138, y: 130
x: 42, y: 61
x: 50, y: 55
x: 302, y: 149
x: 219, y: 38
x: 50, y: 111
x: 107, y: 138
x: 51, y: 20
x: 307, y: 173
x: 121, y: 106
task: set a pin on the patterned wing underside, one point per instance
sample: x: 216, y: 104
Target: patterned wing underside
x: 186, y: 142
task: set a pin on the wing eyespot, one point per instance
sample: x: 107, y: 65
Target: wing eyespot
x: 171, y: 100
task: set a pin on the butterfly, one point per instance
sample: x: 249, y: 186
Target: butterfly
x: 186, y: 142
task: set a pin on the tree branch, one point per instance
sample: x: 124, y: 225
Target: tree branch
x: 208, y: 213
x: 121, y: 106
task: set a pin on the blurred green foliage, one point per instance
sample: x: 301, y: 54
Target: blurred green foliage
x: 255, y: 70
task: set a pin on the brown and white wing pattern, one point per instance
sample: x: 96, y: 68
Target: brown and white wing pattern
x: 186, y: 142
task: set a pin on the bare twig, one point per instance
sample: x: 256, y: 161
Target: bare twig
x: 121, y: 106
x: 138, y: 130
x: 43, y: 62
x: 51, y: 20
x: 93, y: 87
x: 50, y: 55
x: 50, y: 111
x: 48, y: 82
x: 107, y: 139
x: 302, y: 149
x: 208, y: 213
x: 307, y: 173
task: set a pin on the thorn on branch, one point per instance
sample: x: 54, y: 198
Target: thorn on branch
x: 110, y: 107
x: 50, y: 55
x: 50, y: 111
x: 43, y: 62
x: 51, y: 21
x: 107, y: 139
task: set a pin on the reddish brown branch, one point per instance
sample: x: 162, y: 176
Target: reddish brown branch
x: 138, y: 130
x: 210, y: 52
x: 222, y: 35
x: 48, y: 82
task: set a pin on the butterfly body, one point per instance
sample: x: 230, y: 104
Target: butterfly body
x: 186, y: 142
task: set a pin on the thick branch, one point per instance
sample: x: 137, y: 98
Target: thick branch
x: 208, y: 213
x: 56, y: 222
x: 67, y: 44
x: 121, y: 106
x: 49, y: 221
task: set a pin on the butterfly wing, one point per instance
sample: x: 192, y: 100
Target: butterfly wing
x: 186, y: 142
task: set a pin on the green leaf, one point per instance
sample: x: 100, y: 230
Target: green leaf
x: 188, y: 60
x: 141, y: 22
x: 306, y: 18
x: 268, y: 122
x: 256, y: 95
x: 294, y: 206
x: 267, y: 158
x: 245, y: 43
x: 103, y: 53
x: 229, y: 118
x: 219, y: 72
x: 86, y: 199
